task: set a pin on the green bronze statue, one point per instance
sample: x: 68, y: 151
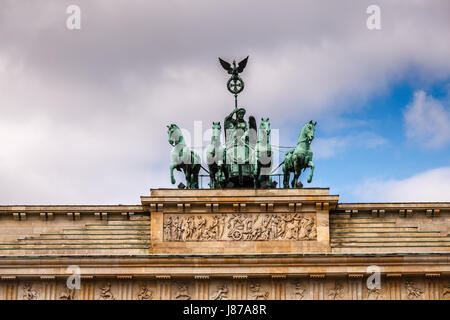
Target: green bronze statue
x: 235, y: 84
x: 263, y: 156
x: 215, y: 158
x: 183, y: 159
x: 240, y: 141
x: 300, y: 158
x: 245, y: 161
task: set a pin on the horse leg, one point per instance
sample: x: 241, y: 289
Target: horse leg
x: 193, y: 186
x: 172, y: 178
x: 194, y: 176
x: 264, y: 178
x: 295, y: 180
x: 311, y: 165
x: 188, y: 175
x: 286, y: 176
x: 196, y: 173
x: 212, y: 177
x: 256, y: 174
x: 297, y: 171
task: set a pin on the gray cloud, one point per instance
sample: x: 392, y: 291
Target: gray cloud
x: 427, y: 120
x: 84, y: 113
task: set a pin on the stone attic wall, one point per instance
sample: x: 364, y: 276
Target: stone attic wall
x: 388, y: 228
x: 32, y: 230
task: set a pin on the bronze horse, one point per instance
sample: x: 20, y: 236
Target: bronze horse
x: 183, y: 159
x: 300, y: 158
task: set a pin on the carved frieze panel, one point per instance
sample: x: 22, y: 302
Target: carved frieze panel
x: 298, y: 289
x: 375, y: 293
x: 65, y: 293
x: 240, y: 227
x: 220, y: 290
x: 106, y: 290
x: 413, y: 289
x: 228, y: 288
x: 182, y: 290
x: 445, y: 292
x: 144, y: 290
x: 30, y: 290
x: 259, y: 290
x: 336, y: 290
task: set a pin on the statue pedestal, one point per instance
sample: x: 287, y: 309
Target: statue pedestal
x: 239, y: 221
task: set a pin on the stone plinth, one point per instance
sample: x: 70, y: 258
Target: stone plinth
x: 240, y: 221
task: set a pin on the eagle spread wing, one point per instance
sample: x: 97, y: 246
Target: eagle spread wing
x: 242, y: 65
x: 225, y: 65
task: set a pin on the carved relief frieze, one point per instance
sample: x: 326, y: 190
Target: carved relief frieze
x: 413, y: 292
x: 221, y: 292
x: 240, y: 227
x: 67, y: 294
x: 446, y: 291
x: 257, y: 292
x: 30, y: 293
x: 337, y: 291
x: 299, y: 290
x: 228, y: 288
x: 144, y: 293
x: 182, y: 291
x: 106, y: 293
x: 375, y: 294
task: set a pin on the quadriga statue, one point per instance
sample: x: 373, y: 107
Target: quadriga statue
x: 183, y: 158
x: 215, y: 158
x: 300, y: 158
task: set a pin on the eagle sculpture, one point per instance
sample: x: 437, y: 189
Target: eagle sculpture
x: 235, y: 69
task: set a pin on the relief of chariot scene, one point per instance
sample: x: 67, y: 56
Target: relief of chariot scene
x: 239, y: 227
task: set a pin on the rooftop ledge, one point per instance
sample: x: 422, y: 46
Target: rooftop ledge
x: 239, y: 192
x: 223, y: 256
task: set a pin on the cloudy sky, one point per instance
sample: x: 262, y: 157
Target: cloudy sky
x: 83, y: 113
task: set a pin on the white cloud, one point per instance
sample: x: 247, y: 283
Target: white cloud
x: 432, y: 185
x: 329, y: 147
x: 427, y: 120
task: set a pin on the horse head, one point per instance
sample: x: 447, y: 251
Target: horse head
x: 174, y: 134
x: 311, y: 129
x: 308, y: 130
x: 216, y: 128
x: 265, y: 126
